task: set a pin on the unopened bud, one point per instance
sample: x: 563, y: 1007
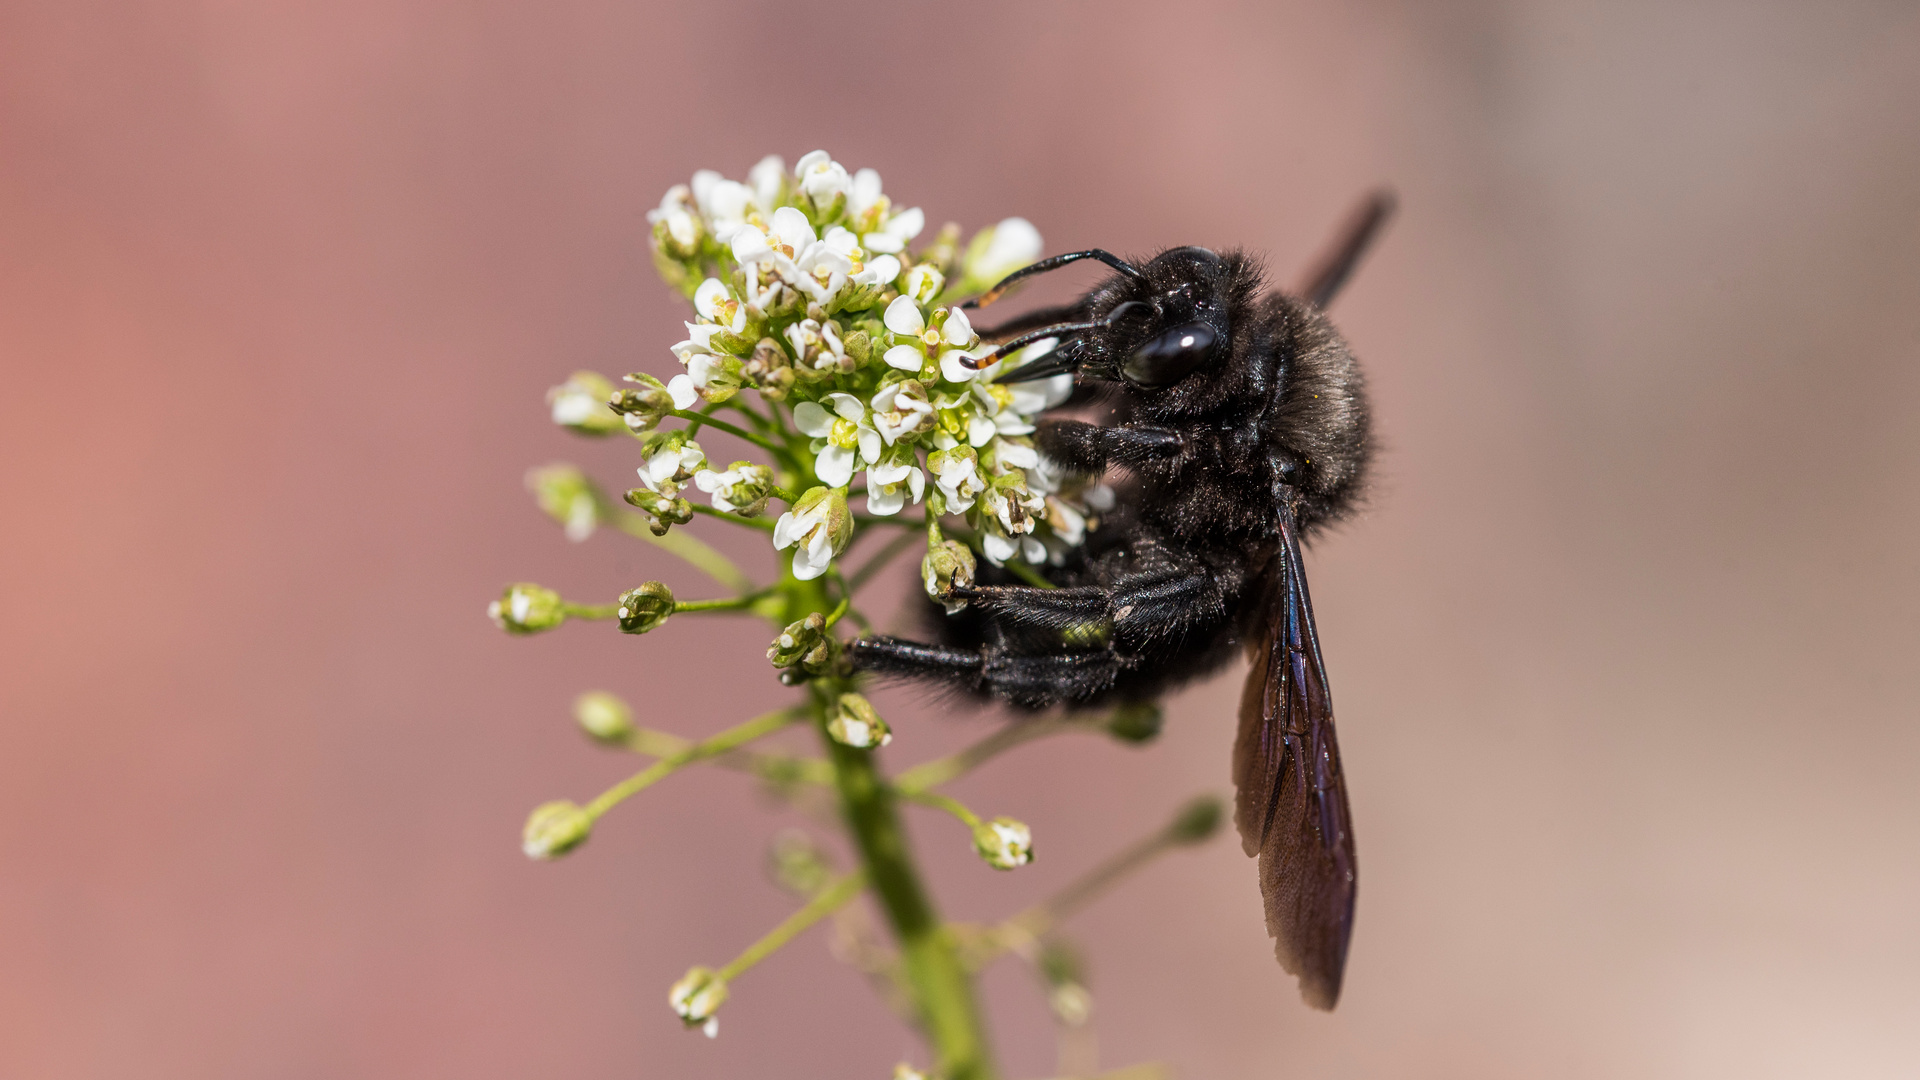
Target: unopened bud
x: 555, y: 828
x: 697, y: 996
x: 797, y: 640
x: 603, y: 716
x: 644, y: 406
x: 856, y: 724
x: 948, y: 564
x: 645, y: 607
x: 743, y: 488
x: 1196, y: 821
x: 665, y: 511
x: 1136, y: 722
x: 527, y: 609
x: 580, y: 404
x: 1004, y: 843
x: 567, y: 496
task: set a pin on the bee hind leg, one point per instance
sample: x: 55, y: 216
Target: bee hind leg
x: 1029, y: 680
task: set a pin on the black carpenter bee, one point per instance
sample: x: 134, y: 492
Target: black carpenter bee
x: 1240, y: 427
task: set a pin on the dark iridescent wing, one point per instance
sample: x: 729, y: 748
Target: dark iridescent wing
x: 1292, y: 802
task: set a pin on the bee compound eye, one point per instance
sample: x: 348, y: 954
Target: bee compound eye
x: 1169, y: 357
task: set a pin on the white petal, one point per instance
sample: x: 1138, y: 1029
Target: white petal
x: 834, y: 466
x: 996, y: 548
x: 709, y: 481
x: 1034, y: 550
x: 980, y: 431
x: 847, y: 406
x: 903, y: 317
x: 907, y: 224
x: 792, y: 227
x: 883, y: 503
x: 869, y: 444
x: 916, y: 482
x: 1012, y: 423
x: 1020, y: 457
x: 952, y: 370
x: 866, y: 190
x: 812, y: 419
x: 703, y: 185
x: 785, y: 531
x: 810, y: 161
x: 803, y: 568
x: 886, y: 242
x: 958, y: 330
x: 904, y: 357
x: 840, y: 241
x: 1015, y: 243
x: 887, y: 474
x: 706, y: 299
x: 680, y: 388
x: 749, y: 245
x: 881, y: 271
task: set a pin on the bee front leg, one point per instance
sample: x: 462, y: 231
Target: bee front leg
x: 1089, y: 448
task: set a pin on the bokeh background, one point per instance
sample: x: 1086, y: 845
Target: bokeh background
x: 1624, y: 648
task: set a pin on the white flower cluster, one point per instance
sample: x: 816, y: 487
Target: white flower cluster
x: 807, y: 290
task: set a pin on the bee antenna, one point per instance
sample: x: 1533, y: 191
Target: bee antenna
x: 1054, y: 263
x: 975, y: 363
x: 1361, y: 227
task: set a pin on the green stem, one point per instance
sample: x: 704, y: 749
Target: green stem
x: 729, y: 603
x: 944, y: 802
x: 932, y: 774
x: 590, y: 611
x: 763, y: 524
x: 732, y: 429
x: 689, y: 548
x: 730, y: 739
x: 942, y: 987
x: 825, y: 903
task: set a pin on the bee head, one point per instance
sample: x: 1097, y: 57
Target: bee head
x: 1156, y: 324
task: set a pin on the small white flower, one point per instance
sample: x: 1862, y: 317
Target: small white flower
x: 674, y: 463
x: 1015, y: 243
x: 880, y: 272
x: 723, y: 202
x: 888, y: 487
x: 678, y: 211
x: 893, y: 237
x: 923, y: 283
x: 817, y: 345
x: 1015, y: 456
x: 900, y: 409
x: 998, y: 549
x: 958, y: 478
x: 716, y: 305
x: 821, y: 178
x: 850, y: 437
x: 765, y: 179
x: 817, y: 528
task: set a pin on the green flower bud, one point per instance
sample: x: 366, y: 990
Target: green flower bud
x: 555, y: 828
x: 697, y: 996
x: 769, y: 369
x: 742, y: 488
x: 1196, y: 821
x: 856, y: 724
x: 580, y: 404
x: 797, y: 640
x: 643, y: 608
x: 527, y: 609
x: 1004, y: 843
x: 644, y: 407
x: 568, y: 497
x: 603, y: 716
x: 1136, y: 722
x: 948, y: 564
x: 665, y: 510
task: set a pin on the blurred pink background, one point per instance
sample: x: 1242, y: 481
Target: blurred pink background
x: 1624, y: 649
